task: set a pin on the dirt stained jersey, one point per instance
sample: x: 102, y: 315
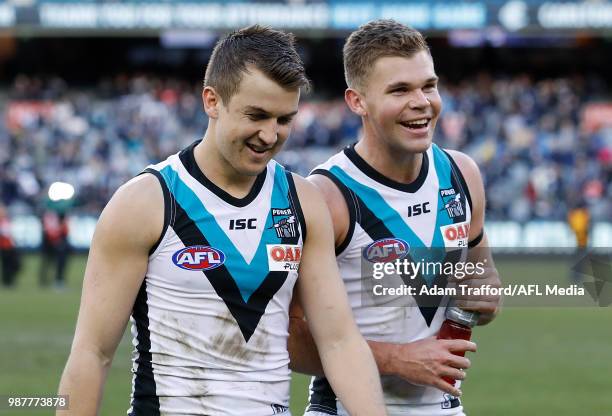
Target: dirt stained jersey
x: 391, y: 221
x: 210, y: 323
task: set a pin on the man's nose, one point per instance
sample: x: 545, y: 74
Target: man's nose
x: 418, y: 99
x: 269, y: 133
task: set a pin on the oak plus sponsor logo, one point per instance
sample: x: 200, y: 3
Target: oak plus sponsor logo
x: 456, y: 235
x: 284, y: 257
x: 386, y: 250
x: 198, y: 258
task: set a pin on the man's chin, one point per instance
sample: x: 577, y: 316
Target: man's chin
x: 252, y: 169
x: 420, y: 145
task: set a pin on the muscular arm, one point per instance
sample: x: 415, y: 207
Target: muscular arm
x: 345, y: 356
x: 302, y: 348
x: 128, y: 227
x: 487, y: 306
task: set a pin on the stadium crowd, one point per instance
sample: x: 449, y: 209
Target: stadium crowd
x: 527, y: 136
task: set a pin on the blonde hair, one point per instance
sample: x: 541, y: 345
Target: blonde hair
x: 374, y: 40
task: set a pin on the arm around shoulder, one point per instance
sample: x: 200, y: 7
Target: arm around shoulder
x: 128, y: 227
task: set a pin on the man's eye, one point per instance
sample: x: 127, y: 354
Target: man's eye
x: 256, y: 117
x: 429, y: 87
x: 284, y: 120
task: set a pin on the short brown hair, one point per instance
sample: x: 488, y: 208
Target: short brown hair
x: 271, y: 51
x: 374, y: 40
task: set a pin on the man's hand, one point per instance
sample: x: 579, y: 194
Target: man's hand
x: 487, y: 304
x: 424, y: 362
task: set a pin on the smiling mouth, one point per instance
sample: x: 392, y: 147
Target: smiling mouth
x: 258, y: 150
x: 416, y: 124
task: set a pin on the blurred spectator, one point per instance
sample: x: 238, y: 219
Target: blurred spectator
x: 579, y: 220
x: 55, y: 248
x: 8, y: 252
x: 525, y: 135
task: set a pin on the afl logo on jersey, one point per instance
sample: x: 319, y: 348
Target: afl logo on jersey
x: 386, y: 250
x: 198, y: 258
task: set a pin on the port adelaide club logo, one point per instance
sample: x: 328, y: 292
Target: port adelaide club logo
x: 284, y: 223
x: 452, y: 202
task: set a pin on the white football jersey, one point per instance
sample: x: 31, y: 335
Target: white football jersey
x: 389, y: 221
x: 210, y: 323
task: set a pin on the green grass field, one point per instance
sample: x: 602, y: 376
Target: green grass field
x: 531, y: 361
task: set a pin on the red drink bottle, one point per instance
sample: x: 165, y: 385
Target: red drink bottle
x: 458, y: 325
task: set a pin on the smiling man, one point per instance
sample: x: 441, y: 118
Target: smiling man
x: 392, y: 194
x: 203, y: 251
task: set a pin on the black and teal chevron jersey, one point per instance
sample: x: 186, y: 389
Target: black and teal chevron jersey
x: 210, y: 323
x: 432, y: 212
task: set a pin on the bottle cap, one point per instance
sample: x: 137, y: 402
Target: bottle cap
x: 458, y: 315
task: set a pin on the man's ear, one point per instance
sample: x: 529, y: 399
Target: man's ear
x: 355, y: 102
x: 212, y: 102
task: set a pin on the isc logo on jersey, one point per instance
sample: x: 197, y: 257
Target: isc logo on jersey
x: 456, y: 235
x: 283, y: 257
x: 198, y: 258
x: 386, y: 250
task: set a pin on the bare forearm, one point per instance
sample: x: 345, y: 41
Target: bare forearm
x: 303, y: 351
x: 305, y: 356
x: 382, y: 352
x: 83, y: 381
x: 352, y: 372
